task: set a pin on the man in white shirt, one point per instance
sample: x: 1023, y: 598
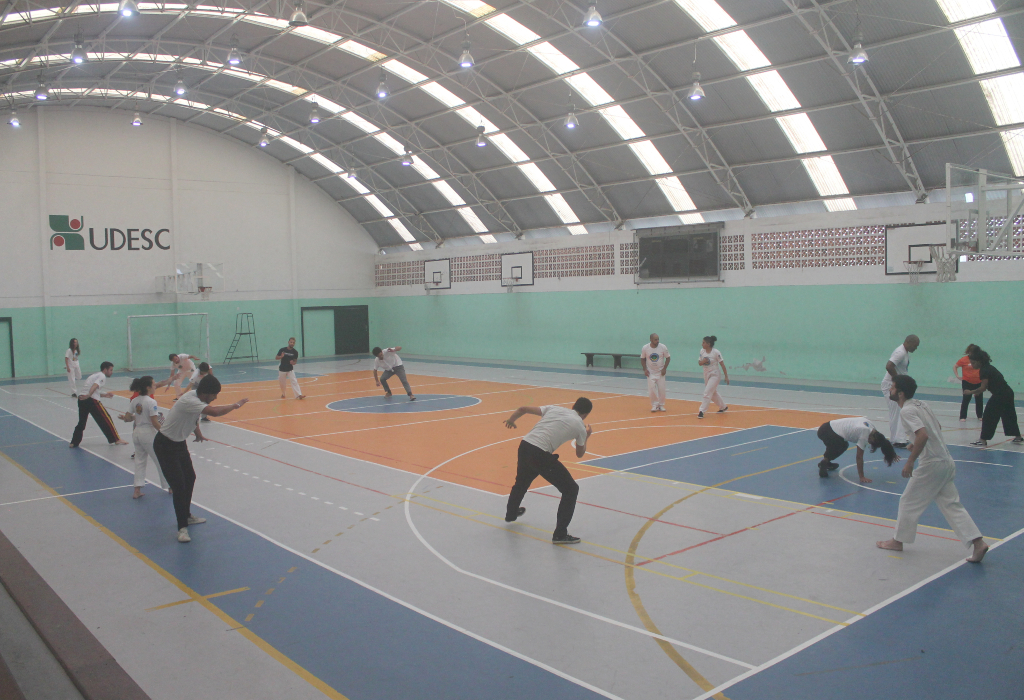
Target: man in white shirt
x: 933, y: 478
x: 89, y: 404
x: 899, y: 363
x: 388, y: 361
x: 655, y: 358
x: 537, y: 458
x: 839, y: 433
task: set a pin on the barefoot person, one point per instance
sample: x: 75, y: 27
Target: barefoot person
x: 839, y: 433
x: 933, y: 478
x: 182, y: 368
x: 391, y: 364
x: 202, y: 370
x: 171, y: 446
x: 899, y: 363
x: 288, y: 356
x: 714, y: 369
x: 1000, y: 404
x: 655, y: 358
x: 144, y: 412
x: 71, y: 365
x: 537, y: 458
x: 89, y: 404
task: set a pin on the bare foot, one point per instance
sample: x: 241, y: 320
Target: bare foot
x: 138, y: 492
x: 120, y: 442
x: 891, y: 545
x: 169, y: 491
x: 301, y: 396
x: 980, y: 550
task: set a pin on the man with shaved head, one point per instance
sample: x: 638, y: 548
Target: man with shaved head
x: 899, y: 363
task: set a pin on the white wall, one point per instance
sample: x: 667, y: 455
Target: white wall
x: 221, y: 201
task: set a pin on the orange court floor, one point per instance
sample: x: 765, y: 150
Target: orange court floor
x: 472, y: 443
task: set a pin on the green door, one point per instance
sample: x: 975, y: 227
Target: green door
x: 6, y: 349
x: 318, y: 332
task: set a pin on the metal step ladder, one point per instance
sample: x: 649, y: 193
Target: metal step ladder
x: 245, y: 326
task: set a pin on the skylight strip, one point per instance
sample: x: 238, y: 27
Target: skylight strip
x: 402, y: 230
x: 538, y: 179
x: 987, y: 46
x: 326, y: 162
x: 707, y: 13
x: 959, y: 10
x: 578, y: 230
x: 801, y: 133
x: 561, y: 208
x: 1005, y: 97
x: 449, y: 193
x: 316, y: 34
x: 507, y: 146
x: 423, y: 169
x: 650, y: 158
x: 676, y: 194
x: 472, y: 219
x: 825, y: 175
x: 589, y: 89
x: 391, y: 142
x: 473, y: 7
x: 773, y: 91
x: 553, y: 58
x: 511, y: 29
x: 842, y: 204
x: 741, y: 50
x: 488, y: 238
x: 298, y: 146
x: 324, y: 103
x: 403, y: 71
x: 355, y: 184
x: 356, y: 120
x: 622, y: 123
x: 443, y: 95
x: 476, y: 119
x: 357, y: 49
x: 375, y: 202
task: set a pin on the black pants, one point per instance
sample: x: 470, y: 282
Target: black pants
x: 1000, y: 407
x: 534, y: 462
x: 87, y: 407
x: 834, y: 445
x: 979, y: 404
x: 176, y: 464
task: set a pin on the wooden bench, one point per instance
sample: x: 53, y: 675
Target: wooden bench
x: 616, y: 358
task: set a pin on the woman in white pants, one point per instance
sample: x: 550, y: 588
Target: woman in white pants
x: 714, y: 368
x: 145, y: 413
x: 71, y: 365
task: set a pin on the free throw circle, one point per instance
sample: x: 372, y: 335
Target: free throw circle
x: 400, y: 403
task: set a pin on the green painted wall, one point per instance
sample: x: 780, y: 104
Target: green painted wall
x: 318, y: 332
x: 841, y: 333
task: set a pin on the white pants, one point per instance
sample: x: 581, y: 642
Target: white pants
x: 895, y: 424
x: 656, y: 388
x: 281, y: 376
x: 711, y: 393
x: 181, y: 379
x: 73, y: 374
x: 933, y: 482
x: 142, y: 438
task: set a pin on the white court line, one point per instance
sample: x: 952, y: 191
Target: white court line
x: 875, y: 608
x: 380, y: 592
x: 64, y: 495
x: 696, y: 454
x: 675, y: 642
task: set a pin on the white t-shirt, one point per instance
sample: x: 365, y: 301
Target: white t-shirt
x: 388, y: 359
x: 901, y: 358
x: 142, y: 409
x: 855, y: 430
x: 917, y: 415
x: 72, y: 357
x: 713, y: 369
x: 654, y: 359
x: 556, y: 426
x: 182, y: 419
x: 99, y: 379
x: 195, y: 375
x: 185, y: 363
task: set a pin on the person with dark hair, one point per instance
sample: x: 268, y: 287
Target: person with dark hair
x: 969, y: 381
x: 89, y: 405
x: 71, y: 365
x: 171, y: 446
x: 899, y: 363
x: 839, y: 433
x: 711, y: 360
x: 536, y: 458
x: 391, y: 364
x: 1000, y: 403
x: 288, y: 356
x: 933, y: 478
x: 182, y: 367
x: 655, y: 358
x: 202, y: 370
x: 144, y: 412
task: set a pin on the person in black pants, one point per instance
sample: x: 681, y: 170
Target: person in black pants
x: 839, y: 433
x: 1000, y: 403
x: 969, y: 381
x: 537, y: 458
x: 89, y: 405
x: 171, y: 447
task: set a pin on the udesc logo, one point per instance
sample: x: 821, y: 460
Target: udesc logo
x: 66, y: 236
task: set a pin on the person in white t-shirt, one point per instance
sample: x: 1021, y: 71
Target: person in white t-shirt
x: 537, y: 458
x: 899, y: 363
x: 182, y: 367
x: 171, y: 446
x: 71, y: 365
x: 933, y: 478
x: 144, y: 412
x: 89, y: 404
x: 388, y: 361
x: 655, y: 358
x: 714, y: 369
x: 839, y: 433
x: 201, y: 371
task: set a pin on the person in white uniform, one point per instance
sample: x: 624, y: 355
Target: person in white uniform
x: 71, y: 365
x: 390, y: 364
x: 839, y: 433
x: 202, y: 370
x: 182, y: 368
x: 714, y: 370
x: 899, y: 363
x: 933, y: 478
x: 144, y: 412
x: 655, y: 358
x: 536, y: 458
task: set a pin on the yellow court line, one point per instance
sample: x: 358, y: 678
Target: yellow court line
x: 192, y: 600
x: 245, y: 631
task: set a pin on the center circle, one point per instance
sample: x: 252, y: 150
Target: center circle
x: 401, y: 404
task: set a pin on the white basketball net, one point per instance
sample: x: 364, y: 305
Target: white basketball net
x: 945, y: 263
x: 914, y: 270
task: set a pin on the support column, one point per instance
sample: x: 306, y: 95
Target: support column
x: 293, y: 258
x: 175, y: 239
x: 44, y: 238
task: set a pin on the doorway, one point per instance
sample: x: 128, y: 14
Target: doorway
x: 335, y: 330
x: 6, y: 348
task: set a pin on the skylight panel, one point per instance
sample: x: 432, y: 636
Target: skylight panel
x: 449, y: 193
x: 286, y: 87
x: 1005, y: 97
x: 476, y: 119
x: 235, y: 73
x: 622, y: 122
x: 801, y: 133
x: 561, y: 208
x: 325, y: 104
x: 959, y: 10
x: 841, y: 204
x: 391, y: 142
x: 488, y: 238
x: 1013, y: 140
x: 707, y: 13
x: 403, y: 71
x: 536, y: 177
x: 473, y: 220
x: 825, y: 175
x: 423, y: 169
x: 511, y: 29
x: 402, y: 230
x: 553, y: 58
x: 355, y: 119
x: 326, y: 162
x: 415, y: 246
x: 357, y: 49
x: 742, y: 50
x: 507, y: 146
x: 442, y: 95
x: 987, y: 46
x: 651, y: 159
x: 381, y: 208
x: 578, y: 230
x: 773, y: 91
x: 316, y: 34
x: 676, y: 194
x: 300, y: 147
x: 355, y: 184
x: 589, y: 89
x: 473, y: 7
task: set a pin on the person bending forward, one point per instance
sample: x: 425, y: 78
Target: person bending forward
x: 89, y: 404
x: 537, y: 458
x: 839, y: 433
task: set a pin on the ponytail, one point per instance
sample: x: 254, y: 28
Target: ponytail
x: 710, y: 340
x: 877, y: 440
x: 141, y: 385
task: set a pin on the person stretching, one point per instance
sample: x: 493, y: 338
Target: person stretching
x: 537, y: 458
x: 389, y: 361
x: 969, y: 381
x: 144, y: 412
x: 182, y: 367
x: 1000, y: 403
x: 710, y: 359
x: 89, y: 405
x: 201, y: 371
x: 839, y: 433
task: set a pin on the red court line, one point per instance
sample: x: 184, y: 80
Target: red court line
x: 635, y: 515
x: 867, y: 522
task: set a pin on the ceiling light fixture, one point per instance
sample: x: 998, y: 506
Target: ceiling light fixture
x: 13, y: 120
x: 264, y: 138
x: 382, y: 86
x: 466, y: 59
x: 180, y: 88
x: 136, y: 120
x: 407, y: 158
x: 298, y: 18
x: 480, y: 140
x: 858, y: 56
x: 696, y: 92
x: 128, y: 8
x: 592, y: 18
x: 42, y: 92
x: 234, y: 56
x: 78, y: 54
x: 314, y: 114
x: 570, y: 119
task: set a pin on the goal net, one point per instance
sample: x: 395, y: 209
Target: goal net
x: 152, y: 338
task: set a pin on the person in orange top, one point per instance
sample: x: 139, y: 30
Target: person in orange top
x: 969, y: 381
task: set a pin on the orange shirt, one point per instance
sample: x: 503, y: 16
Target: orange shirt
x: 970, y: 374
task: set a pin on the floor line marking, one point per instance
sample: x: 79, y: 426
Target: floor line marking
x: 193, y: 600
x: 64, y: 495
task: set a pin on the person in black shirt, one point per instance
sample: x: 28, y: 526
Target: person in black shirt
x: 288, y: 357
x: 1000, y: 406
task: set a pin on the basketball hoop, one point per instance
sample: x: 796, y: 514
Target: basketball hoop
x: 914, y: 270
x: 204, y: 292
x: 431, y: 285
x: 945, y: 262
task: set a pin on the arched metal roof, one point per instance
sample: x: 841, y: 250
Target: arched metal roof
x: 787, y: 123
